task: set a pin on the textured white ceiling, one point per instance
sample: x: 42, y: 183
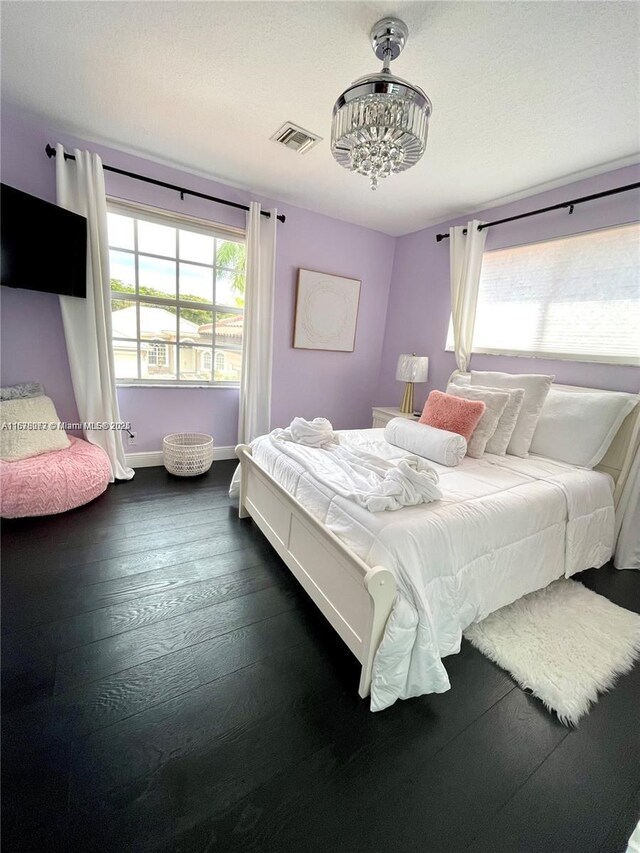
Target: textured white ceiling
x: 525, y: 93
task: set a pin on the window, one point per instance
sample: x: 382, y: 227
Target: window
x: 574, y: 298
x: 157, y: 355
x: 177, y: 298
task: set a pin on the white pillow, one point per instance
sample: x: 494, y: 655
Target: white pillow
x: 21, y: 390
x: 499, y: 441
x: 457, y: 378
x: 578, y: 426
x: 535, y: 386
x: 495, y: 402
x: 29, y: 427
x: 438, y: 445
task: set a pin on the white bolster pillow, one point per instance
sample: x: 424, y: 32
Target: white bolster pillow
x: 438, y: 445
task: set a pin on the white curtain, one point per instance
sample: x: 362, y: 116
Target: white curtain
x: 465, y: 256
x: 87, y: 322
x: 257, y: 341
x: 627, y: 554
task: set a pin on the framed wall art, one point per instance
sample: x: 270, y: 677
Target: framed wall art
x: 326, y: 311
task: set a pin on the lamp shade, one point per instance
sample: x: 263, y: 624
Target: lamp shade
x: 412, y: 368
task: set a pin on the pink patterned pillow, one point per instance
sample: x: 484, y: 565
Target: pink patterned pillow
x: 444, y: 411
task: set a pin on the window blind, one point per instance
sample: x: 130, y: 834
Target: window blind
x: 575, y: 297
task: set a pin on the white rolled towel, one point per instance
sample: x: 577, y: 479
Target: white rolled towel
x: 438, y: 445
x: 316, y: 433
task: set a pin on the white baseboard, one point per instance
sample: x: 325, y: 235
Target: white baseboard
x: 153, y: 458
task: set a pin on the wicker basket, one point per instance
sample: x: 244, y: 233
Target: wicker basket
x: 187, y: 454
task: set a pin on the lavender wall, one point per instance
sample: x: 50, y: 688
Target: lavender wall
x: 420, y: 305
x: 31, y: 337
x: 340, y: 386
x: 32, y: 346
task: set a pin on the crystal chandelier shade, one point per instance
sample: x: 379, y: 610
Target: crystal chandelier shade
x: 380, y: 122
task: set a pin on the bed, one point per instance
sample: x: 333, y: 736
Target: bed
x: 400, y: 587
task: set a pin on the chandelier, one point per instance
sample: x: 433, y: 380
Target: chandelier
x: 380, y: 122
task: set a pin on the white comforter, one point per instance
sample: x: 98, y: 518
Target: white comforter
x: 504, y: 527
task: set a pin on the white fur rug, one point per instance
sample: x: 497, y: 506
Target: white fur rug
x: 564, y: 643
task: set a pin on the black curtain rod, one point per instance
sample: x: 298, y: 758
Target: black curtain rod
x: 51, y: 152
x: 564, y: 204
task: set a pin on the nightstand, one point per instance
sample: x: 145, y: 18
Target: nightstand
x: 381, y: 415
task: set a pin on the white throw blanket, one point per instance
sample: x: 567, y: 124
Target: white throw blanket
x: 374, y: 483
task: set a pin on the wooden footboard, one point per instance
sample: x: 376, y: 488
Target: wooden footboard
x: 355, y: 598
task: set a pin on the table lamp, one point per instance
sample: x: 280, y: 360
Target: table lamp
x: 411, y: 368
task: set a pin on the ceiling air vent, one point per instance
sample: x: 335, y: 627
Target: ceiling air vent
x: 296, y: 138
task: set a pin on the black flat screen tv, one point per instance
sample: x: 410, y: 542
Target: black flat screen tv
x: 44, y: 247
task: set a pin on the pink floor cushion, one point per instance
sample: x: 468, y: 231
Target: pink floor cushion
x: 53, y: 482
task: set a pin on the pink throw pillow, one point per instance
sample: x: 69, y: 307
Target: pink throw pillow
x: 444, y: 411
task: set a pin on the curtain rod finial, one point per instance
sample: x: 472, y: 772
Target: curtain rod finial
x: 50, y: 151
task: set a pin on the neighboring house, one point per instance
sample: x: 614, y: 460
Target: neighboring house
x: 158, y: 339
x: 228, y: 357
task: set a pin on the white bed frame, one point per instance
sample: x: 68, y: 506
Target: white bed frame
x: 355, y: 598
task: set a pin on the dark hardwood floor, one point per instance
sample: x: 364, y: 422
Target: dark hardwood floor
x: 167, y: 686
